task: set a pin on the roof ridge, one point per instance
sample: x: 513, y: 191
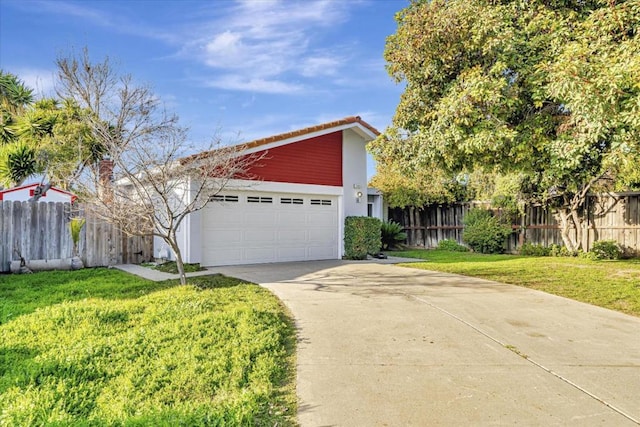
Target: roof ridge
x: 309, y: 129
x: 292, y: 134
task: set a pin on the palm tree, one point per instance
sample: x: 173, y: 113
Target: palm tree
x: 17, y: 163
x: 45, y: 136
x: 17, y: 159
x: 14, y: 94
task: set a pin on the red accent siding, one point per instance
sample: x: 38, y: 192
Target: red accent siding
x: 312, y: 161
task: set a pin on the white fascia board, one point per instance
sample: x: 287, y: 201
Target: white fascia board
x: 362, y: 131
x: 282, y: 187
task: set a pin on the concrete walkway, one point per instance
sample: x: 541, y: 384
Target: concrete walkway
x: 382, y: 345
x: 155, y: 275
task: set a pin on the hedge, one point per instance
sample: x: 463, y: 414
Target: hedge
x: 362, y: 236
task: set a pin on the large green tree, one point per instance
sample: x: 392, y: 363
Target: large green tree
x: 416, y: 187
x: 549, y: 90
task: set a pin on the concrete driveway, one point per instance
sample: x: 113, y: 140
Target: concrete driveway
x: 383, y: 345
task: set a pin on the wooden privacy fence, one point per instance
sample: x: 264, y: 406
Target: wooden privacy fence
x: 609, y: 217
x: 40, y: 231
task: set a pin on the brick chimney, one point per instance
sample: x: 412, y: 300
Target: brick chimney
x: 106, y: 172
x: 105, y: 175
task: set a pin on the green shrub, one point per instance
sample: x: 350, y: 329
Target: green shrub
x: 530, y: 249
x: 392, y: 234
x: 484, y: 232
x: 606, y: 249
x: 561, y: 251
x: 451, y: 246
x: 362, y: 236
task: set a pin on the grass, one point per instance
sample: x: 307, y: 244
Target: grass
x: 610, y: 284
x: 172, y: 267
x: 102, y: 347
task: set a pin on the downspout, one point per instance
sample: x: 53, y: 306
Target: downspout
x: 341, y: 219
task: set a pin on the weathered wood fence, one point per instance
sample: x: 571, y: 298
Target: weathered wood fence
x: 37, y: 230
x: 609, y: 217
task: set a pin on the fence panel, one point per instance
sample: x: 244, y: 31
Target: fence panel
x: 39, y: 230
x: 609, y: 217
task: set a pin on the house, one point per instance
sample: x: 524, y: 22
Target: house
x: 26, y: 192
x: 307, y: 182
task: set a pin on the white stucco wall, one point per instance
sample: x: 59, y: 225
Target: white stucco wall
x: 354, y: 174
x: 186, y: 238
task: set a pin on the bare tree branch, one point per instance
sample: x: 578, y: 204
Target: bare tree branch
x: 154, y: 183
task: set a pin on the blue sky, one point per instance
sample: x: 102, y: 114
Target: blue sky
x: 245, y: 69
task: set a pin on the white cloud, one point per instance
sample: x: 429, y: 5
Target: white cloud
x: 262, y: 45
x: 320, y: 66
x: 252, y: 45
x: 254, y: 84
x: 223, y: 44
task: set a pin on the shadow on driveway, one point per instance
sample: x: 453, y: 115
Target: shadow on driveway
x: 386, y: 345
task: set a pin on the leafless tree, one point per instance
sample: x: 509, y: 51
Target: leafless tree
x: 149, y: 180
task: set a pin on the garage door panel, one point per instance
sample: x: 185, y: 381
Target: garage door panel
x: 226, y: 256
x: 260, y: 218
x: 298, y: 253
x: 321, y: 234
x: 293, y: 235
x: 292, y: 218
x: 257, y: 255
x: 231, y: 237
x: 322, y: 252
x: 243, y: 233
x: 321, y: 218
x: 224, y: 217
x: 258, y: 236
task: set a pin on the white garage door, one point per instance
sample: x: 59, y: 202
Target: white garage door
x: 246, y: 228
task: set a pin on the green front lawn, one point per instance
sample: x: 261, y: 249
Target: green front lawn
x: 610, y: 284
x: 102, y: 347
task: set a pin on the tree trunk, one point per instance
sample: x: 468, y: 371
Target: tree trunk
x: 412, y: 230
x: 179, y: 263
x: 568, y: 229
x: 572, y: 222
